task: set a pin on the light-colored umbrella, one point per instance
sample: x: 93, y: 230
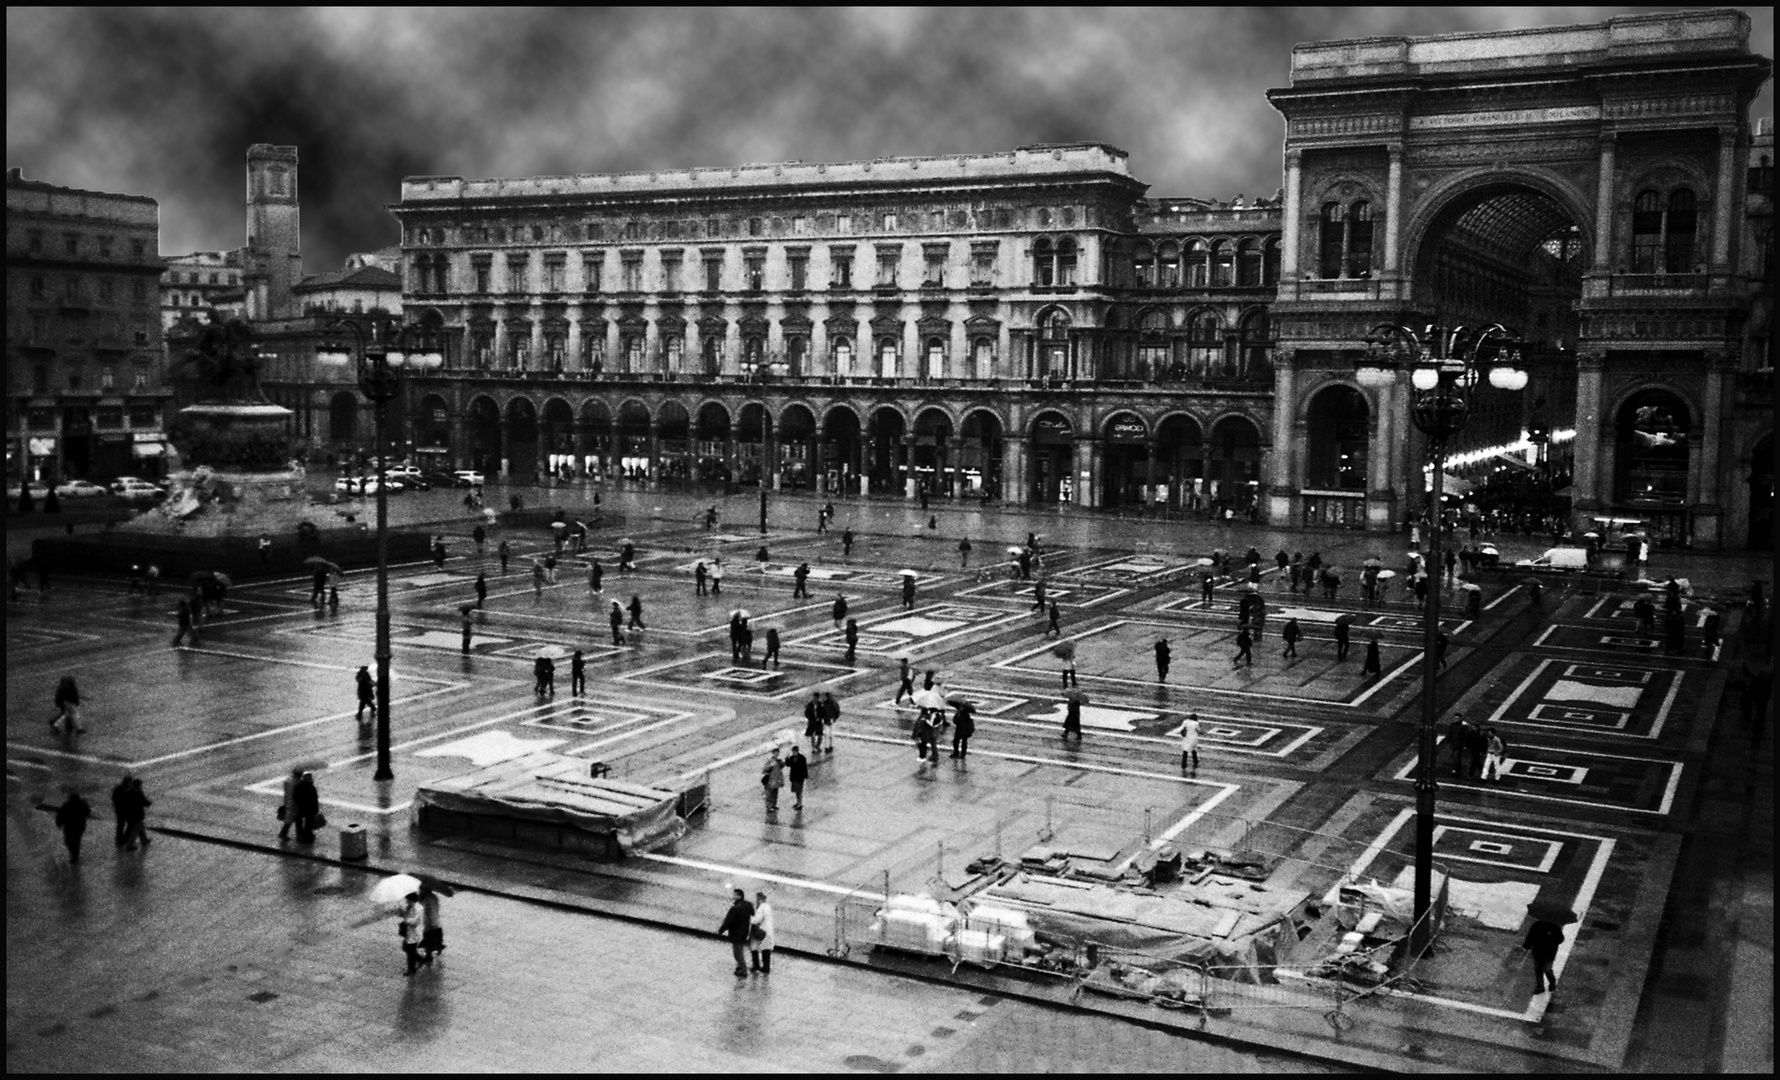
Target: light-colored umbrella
x: 317, y: 560
x: 1489, y: 549
x: 1469, y: 587
x: 223, y: 580
x: 906, y: 572
x: 1592, y: 535
x: 930, y: 699
x: 1386, y: 575
x: 1373, y: 563
x: 741, y: 613
x: 627, y: 541
x: 559, y: 524
x: 392, y: 890
x: 1014, y: 549
x: 1248, y: 586
x: 1064, y: 649
x: 1202, y: 562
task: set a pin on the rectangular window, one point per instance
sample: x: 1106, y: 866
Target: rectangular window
x: 800, y: 225
x: 143, y: 417
x: 933, y: 266
x: 72, y: 241
x: 843, y: 268
x: 110, y: 417
x: 755, y: 269
x: 756, y: 227
x: 136, y: 248
x: 982, y: 264
x: 553, y: 275
x: 670, y: 271
x: 887, y: 222
x: 105, y: 247
x: 516, y: 275
x: 713, y: 227
x: 673, y: 348
x: 482, y: 268
x: 40, y: 384
x: 633, y: 272
x: 591, y: 266
x: 844, y: 223
x: 799, y: 264
x: 887, y: 266
x: 713, y: 273
x: 139, y: 290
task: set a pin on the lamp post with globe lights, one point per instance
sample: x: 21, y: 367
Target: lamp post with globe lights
x: 382, y: 351
x: 1444, y: 367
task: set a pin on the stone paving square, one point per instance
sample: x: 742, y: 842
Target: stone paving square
x: 1129, y: 569
x: 1067, y: 594
x: 1591, y: 699
x: 716, y: 673
x: 917, y: 628
x: 1316, y: 620
x: 1608, y: 640
x: 1582, y: 778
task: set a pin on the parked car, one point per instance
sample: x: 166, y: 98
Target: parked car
x: 411, y: 480
x: 403, y: 472
x: 117, y: 486
x: 139, y: 490
x: 468, y: 478
x: 1557, y: 558
x: 363, y: 485
x: 439, y: 479
x: 81, y: 489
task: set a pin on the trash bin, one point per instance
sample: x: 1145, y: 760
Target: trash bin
x: 352, y: 841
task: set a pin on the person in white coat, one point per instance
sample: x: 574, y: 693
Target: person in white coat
x: 1189, y: 743
x: 760, y: 935
x: 413, y: 932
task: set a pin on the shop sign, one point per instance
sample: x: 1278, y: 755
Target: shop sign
x: 43, y: 447
x: 147, y: 436
x: 1052, y: 429
x: 1127, y: 429
x: 114, y: 436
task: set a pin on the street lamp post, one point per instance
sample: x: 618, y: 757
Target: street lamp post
x: 1444, y: 366
x: 381, y: 351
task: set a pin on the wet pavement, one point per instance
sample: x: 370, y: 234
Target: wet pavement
x: 1662, y: 832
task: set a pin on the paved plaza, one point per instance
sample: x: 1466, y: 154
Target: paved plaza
x: 1626, y: 795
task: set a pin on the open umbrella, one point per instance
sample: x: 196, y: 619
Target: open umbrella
x: 1386, y: 575
x: 626, y: 542
x: 1344, y: 620
x: 1014, y: 549
x: 392, y: 890
x: 1531, y: 581
x: 1064, y: 649
x: 317, y: 560
x: 929, y: 699
x: 1078, y: 696
x: 1470, y: 587
x: 1248, y: 586
x: 906, y: 572
x: 1373, y: 563
x: 439, y: 886
x: 957, y: 699
x: 203, y: 576
x: 559, y: 524
x: 1489, y: 549
x: 741, y: 613
x: 1592, y: 535
x: 1202, y: 562
x: 1552, y: 911
x: 224, y: 580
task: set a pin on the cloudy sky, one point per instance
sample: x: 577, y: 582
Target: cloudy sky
x: 164, y: 102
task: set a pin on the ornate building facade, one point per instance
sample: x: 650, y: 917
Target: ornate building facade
x: 1031, y: 326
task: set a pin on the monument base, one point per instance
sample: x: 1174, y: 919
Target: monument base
x: 209, y: 502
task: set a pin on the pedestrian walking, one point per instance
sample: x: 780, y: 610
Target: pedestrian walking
x: 772, y: 778
x: 118, y: 797
x: 699, y: 576
x: 735, y: 637
x: 772, y: 647
x: 438, y: 553
x: 1458, y: 737
x: 964, y: 725
x: 1245, y: 646
x: 1163, y: 656
x: 797, y: 771
x: 737, y: 924
x: 760, y: 934
x: 308, y: 806
x: 1374, y: 664
x: 134, y: 812
x: 1072, y: 718
x: 1543, y: 939
x: 367, y: 693
x: 578, y: 674
x: 72, y: 819
x: 840, y: 610
x: 908, y: 590
x: 1205, y: 586
x: 636, y: 612
x: 1674, y: 634
x: 1535, y: 596
x: 964, y: 553
x: 333, y: 599
x: 480, y: 536
x: 852, y: 637
x: 821, y: 521
x: 1494, y: 750
x: 716, y: 577
x: 1189, y: 743
x: 905, y: 680
x: 318, y: 586
x: 287, y: 810
x: 481, y: 589
x: 801, y: 577
x: 1440, y: 643
x: 538, y: 579
x: 468, y: 624
x: 1038, y: 596
x: 186, y: 626
x: 432, y: 936
x: 1024, y: 560
x: 923, y: 736
x: 505, y: 553
x: 1341, y: 640
x: 1291, y: 633
x: 616, y: 615
x: 67, y: 703
x: 847, y: 542
x: 412, y: 930
x: 627, y: 559
x: 812, y: 721
x: 1068, y: 673
x: 1054, y: 627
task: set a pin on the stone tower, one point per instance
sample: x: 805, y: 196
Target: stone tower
x: 274, y: 255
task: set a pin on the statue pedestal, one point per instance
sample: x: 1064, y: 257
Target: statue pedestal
x: 239, y: 479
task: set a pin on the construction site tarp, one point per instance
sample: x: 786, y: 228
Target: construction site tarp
x: 554, y: 789
x: 1234, y: 927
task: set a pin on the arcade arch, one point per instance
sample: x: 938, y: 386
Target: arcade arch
x: 1653, y: 439
x: 674, y: 459
x: 753, y: 439
x: 595, y: 438
x: 797, y: 448
x: 713, y: 451
x: 1051, y: 468
x: 930, y: 452
x: 1125, y: 460
x: 486, y: 436
x: 1180, y: 463
x: 980, y: 450
x: 557, y: 438
x: 888, y: 464
x: 1233, y: 465
x: 635, y: 449
x: 842, y: 460
x: 522, y: 440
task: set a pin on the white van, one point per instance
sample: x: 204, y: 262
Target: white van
x: 1557, y: 558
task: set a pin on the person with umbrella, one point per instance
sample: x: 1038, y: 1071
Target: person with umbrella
x: 1163, y: 656
x: 481, y: 589
x: 1544, y: 938
x: 699, y: 576
x: 412, y: 929
x: 1291, y: 633
x: 287, y: 810
x: 831, y: 711
x: 1374, y: 665
x: 616, y: 616
x: 367, y: 693
x: 908, y: 588
x: 318, y: 583
x: 1343, y: 628
x: 716, y: 577
x: 432, y: 938
x: 636, y: 612
x: 964, y: 725
x: 812, y: 721
x: 852, y: 637
x: 1065, y: 651
x: 800, y: 578
x: 627, y: 559
x: 1072, y: 715
x: 1189, y: 743
x: 735, y: 636
x: 772, y: 778
x: 308, y: 807
x: 923, y: 735
x: 840, y: 610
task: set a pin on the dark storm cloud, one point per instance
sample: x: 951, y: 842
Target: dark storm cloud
x: 165, y: 102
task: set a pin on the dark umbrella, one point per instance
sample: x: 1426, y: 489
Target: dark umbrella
x: 1555, y: 911
x: 1344, y: 620
x: 317, y: 560
x: 202, y: 576
x: 1064, y: 649
x: 1532, y: 581
x: 1080, y: 697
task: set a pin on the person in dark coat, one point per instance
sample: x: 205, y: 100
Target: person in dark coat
x: 1055, y: 627
x: 812, y: 721
x: 906, y: 680
x: 923, y: 735
x: 772, y: 647
x: 1072, y: 718
x: 797, y: 771
x: 801, y: 578
x: 67, y: 703
x: 908, y: 590
x: 1205, y: 586
x: 852, y: 640
x: 1038, y: 595
x: 133, y: 810
x: 735, y: 927
x: 469, y: 624
x: 1543, y: 939
x: 964, y: 553
x: 118, y: 797
x: 577, y: 674
x: 1341, y: 640
x: 831, y: 711
x: 481, y: 589
x: 617, y: 619
x: 627, y: 559
x: 72, y: 818
x: 1374, y: 665
x: 846, y: 542
x: 186, y: 626
x: 636, y: 612
x: 1291, y: 634
x: 318, y: 585
x: 1458, y: 739
x: 308, y: 805
x: 1163, y: 655
x: 699, y: 575
x: 367, y: 693
x: 964, y: 725
x: 596, y: 574
x: 1025, y: 564
x: 1440, y: 643
x: 840, y: 610
x: 1245, y: 648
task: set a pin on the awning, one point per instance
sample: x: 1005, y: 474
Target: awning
x: 1455, y: 485
x: 1514, y: 461
x: 149, y: 449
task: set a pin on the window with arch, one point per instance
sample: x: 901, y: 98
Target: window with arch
x: 633, y: 353
x: 1663, y: 232
x: 1270, y: 263
x: 1168, y: 255
x: 982, y: 357
x: 1053, y: 351
x: 796, y: 355
x: 887, y: 357
x: 753, y: 353
x: 1255, y: 345
x: 711, y: 354
x: 1205, y: 345
x: 1043, y: 261
x: 936, y: 358
x: 1143, y: 267
x: 1248, y: 263
x: 520, y: 349
x: 1345, y: 240
x: 673, y: 353
x: 1153, y: 360
x: 1359, y: 240
x: 556, y: 348
x: 1198, y: 264
x: 1223, y: 264
x: 843, y: 356
x: 1053, y: 262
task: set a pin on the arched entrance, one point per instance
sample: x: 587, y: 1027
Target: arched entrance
x: 1180, y: 463
x: 843, y: 445
x: 673, y: 444
x: 635, y: 448
x: 1125, y: 461
x: 1337, y: 458
x: 797, y: 448
x: 1233, y: 472
x: 888, y: 462
x: 712, y: 448
x: 754, y: 432
x: 432, y: 434
x: 1653, y: 437
x: 1051, y: 476
x: 930, y: 453
x: 483, y: 421
x: 595, y: 445
x: 979, y: 453
x: 1761, y: 495
x: 522, y: 440
x: 557, y: 434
